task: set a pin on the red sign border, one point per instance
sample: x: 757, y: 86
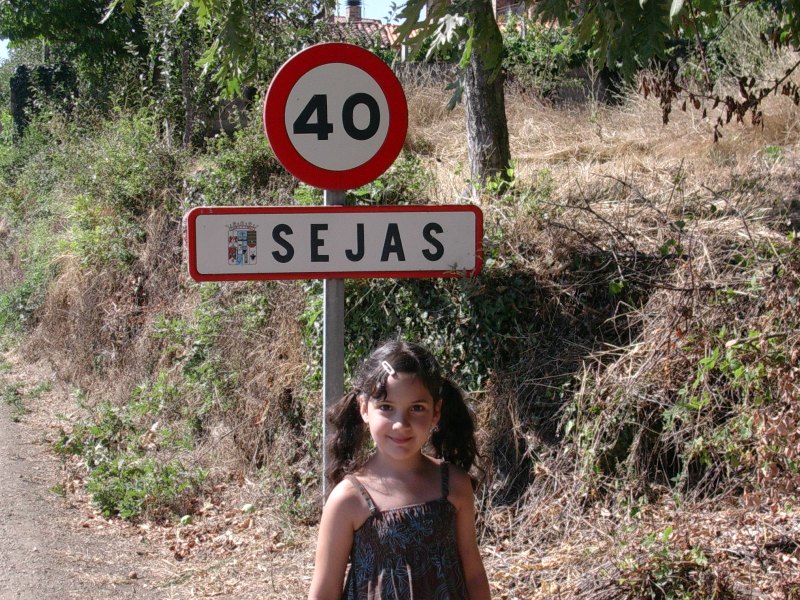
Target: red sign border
x: 190, y: 220
x: 275, y: 109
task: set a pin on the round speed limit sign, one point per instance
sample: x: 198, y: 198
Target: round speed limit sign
x: 336, y: 116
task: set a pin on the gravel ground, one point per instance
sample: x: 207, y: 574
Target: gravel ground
x: 48, y: 547
x: 54, y: 544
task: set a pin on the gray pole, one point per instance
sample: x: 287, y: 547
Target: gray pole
x: 332, y: 343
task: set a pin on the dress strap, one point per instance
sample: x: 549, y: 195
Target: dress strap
x: 445, y: 480
x: 373, y: 510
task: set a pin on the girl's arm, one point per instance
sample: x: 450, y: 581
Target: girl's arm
x: 334, y: 543
x: 464, y: 500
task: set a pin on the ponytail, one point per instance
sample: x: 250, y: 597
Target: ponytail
x: 345, y: 443
x: 454, y: 439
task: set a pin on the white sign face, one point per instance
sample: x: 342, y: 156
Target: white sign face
x: 326, y: 242
x: 337, y: 117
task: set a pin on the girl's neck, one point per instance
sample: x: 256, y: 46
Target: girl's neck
x: 384, y: 466
x: 392, y: 484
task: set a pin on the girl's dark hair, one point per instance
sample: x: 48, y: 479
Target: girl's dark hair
x: 455, y: 439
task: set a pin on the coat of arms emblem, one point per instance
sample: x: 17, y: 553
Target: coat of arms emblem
x: 242, y: 244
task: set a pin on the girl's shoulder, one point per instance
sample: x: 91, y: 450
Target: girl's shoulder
x: 345, y: 502
x: 460, y: 486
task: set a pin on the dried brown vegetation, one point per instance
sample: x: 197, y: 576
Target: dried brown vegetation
x: 672, y: 216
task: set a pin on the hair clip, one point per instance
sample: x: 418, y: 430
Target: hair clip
x: 388, y: 368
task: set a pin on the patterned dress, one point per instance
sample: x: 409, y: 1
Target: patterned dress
x: 406, y: 553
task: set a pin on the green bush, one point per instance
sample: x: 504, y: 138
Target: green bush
x: 407, y: 181
x: 468, y: 322
x: 98, y: 236
x: 541, y: 59
x: 111, y: 431
x: 238, y: 170
x: 27, y: 181
x: 14, y: 399
x: 736, y: 46
x: 29, y: 174
x: 79, y: 191
x: 130, y: 485
x: 668, y: 573
x: 123, y: 165
x: 35, y: 252
x: 123, y: 479
x: 193, y: 346
x: 158, y: 397
x: 19, y: 303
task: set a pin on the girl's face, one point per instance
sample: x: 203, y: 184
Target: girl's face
x: 400, y: 423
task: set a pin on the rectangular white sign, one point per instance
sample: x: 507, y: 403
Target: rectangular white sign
x: 249, y: 243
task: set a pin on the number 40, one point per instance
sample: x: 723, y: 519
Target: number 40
x: 322, y: 127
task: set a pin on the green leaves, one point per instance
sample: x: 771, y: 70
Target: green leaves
x: 448, y: 31
x: 542, y: 59
x: 84, y: 28
x: 242, y: 39
x: 628, y: 34
x: 128, y: 7
x: 232, y: 43
x: 623, y: 34
x: 676, y: 7
x: 441, y: 27
x: 616, y: 287
x: 468, y: 24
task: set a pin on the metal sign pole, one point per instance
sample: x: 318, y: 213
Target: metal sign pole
x: 332, y: 344
x: 310, y: 120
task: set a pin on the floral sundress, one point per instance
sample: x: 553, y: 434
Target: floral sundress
x: 406, y: 553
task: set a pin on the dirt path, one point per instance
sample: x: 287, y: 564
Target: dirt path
x: 55, y: 545
x: 49, y: 548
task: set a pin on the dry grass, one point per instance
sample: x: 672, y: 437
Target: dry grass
x: 580, y: 143
x: 266, y: 420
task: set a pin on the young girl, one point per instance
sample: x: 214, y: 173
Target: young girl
x: 404, y: 520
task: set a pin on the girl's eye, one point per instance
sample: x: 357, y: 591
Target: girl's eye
x: 384, y: 407
x: 419, y: 408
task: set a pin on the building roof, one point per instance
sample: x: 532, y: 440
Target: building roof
x: 364, y: 32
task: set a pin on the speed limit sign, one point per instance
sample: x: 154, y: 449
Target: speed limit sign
x: 336, y: 116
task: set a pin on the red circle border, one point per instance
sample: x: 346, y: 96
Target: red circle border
x: 275, y: 109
